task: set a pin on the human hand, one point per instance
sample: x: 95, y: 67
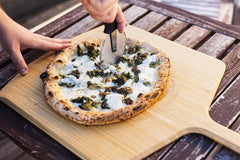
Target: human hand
x: 106, y: 11
x: 14, y: 38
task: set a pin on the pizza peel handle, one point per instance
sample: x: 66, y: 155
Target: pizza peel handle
x: 218, y: 132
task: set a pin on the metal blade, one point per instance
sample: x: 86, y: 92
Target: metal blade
x: 113, y: 39
x: 107, y: 56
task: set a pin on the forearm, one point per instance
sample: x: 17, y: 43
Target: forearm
x: 7, y: 29
x: 5, y: 21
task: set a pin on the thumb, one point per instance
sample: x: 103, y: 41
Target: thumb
x: 120, y: 19
x: 19, y: 62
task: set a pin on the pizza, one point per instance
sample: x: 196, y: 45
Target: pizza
x: 77, y: 87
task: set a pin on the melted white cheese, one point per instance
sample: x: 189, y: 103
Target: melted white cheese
x: 114, y: 100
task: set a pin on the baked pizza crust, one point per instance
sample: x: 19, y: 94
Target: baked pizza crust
x: 63, y: 106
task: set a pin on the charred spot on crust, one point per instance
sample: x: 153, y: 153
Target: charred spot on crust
x: 50, y: 94
x: 147, y: 96
x: 59, y: 61
x: 137, y: 108
x: 44, y: 75
x: 56, y: 77
x: 66, y: 108
x: 155, y: 95
x: 168, y: 61
x: 76, y: 112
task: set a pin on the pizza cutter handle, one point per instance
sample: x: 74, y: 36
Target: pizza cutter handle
x: 110, y: 27
x: 220, y: 134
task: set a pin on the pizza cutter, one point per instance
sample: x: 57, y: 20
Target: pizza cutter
x: 113, y: 45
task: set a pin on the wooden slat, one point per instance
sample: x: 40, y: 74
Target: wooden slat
x: 232, y: 68
x: 80, y: 27
x: 133, y: 13
x: 9, y: 71
x: 159, y: 154
x: 40, y: 144
x: 150, y: 21
x: 63, y: 22
x: 226, y: 11
x: 171, y: 29
x: 84, y: 25
x: 188, y: 17
x: 210, y: 48
x: 184, y: 148
x: 193, y: 36
x: 209, y: 8
x: 4, y: 58
x: 227, y: 107
x: 50, y: 20
x: 11, y: 151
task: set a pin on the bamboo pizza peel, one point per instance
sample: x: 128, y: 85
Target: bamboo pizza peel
x: 182, y: 110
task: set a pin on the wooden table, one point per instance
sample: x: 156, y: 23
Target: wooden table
x: 200, y: 33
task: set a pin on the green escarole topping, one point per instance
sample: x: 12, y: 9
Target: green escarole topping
x: 98, y: 73
x: 125, y: 91
x: 86, y: 103
x: 137, y: 59
x: 133, y: 49
x: 154, y: 64
x: 147, y: 83
x: 68, y: 85
x: 92, y: 85
x: 62, y: 76
x: 93, y: 50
